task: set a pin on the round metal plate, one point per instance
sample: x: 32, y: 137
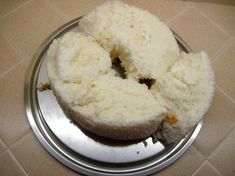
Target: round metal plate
x: 81, y: 150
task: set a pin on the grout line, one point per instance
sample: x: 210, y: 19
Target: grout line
x: 229, y: 131
x: 2, y: 143
x: 18, y: 51
x: 223, y: 93
x: 26, y: 133
x: 214, y: 168
x: 213, y: 22
x: 17, y: 162
x: 1, y: 154
x: 178, y: 14
x: 199, y: 167
x: 15, y: 9
x: 221, y: 142
x: 58, y: 11
x: 228, y: 44
x: 13, y: 67
x: 5, y: 147
x: 61, y: 14
x: 201, y: 162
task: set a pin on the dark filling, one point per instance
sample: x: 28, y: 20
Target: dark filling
x: 117, y: 67
x: 120, y: 70
x: 147, y: 81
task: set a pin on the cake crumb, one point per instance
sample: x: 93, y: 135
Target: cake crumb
x: 44, y: 86
x: 145, y: 143
x: 171, y: 118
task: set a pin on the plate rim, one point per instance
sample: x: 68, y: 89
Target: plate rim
x: 40, y: 128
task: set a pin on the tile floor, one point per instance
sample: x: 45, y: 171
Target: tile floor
x: 24, y: 24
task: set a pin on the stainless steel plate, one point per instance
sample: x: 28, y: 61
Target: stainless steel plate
x: 81, y: 150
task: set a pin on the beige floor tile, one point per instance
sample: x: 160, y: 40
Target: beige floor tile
x: 199, y: 33
x: 13, y: 119
x: 8, y: 166
x: 218, y: 121
x: 30, y: 25
x: 206, y: 170
x: 189, y: 162
x: 224, y: 156
x: 223, y: 15
x: 165, y: 9
x: 28, y: 149
x: 224, y: 65
x: 75, y: 8
x: 2, y: 146
x: 6, y: 6
x: 8, y: 56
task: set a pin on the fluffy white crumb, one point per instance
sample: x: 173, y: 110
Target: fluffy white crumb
x: 80, y: 72
x: 187, y: 89
x: 140, y: 39
x: 81, y: 75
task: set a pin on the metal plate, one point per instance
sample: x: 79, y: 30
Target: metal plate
x: 81, y: 150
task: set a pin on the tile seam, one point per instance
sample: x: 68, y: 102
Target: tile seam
x: 220, y: 51
x: 224, y: 47
x: 221, y: 142
x: 1, y: 141
x: 61, y: 14
x: 17, y: 162
x: 18, y: 52
x: 18, y: 139
x: 58, y: 11
x: 214, y: 168
x: 225, y: 94
x: 204, y: 157
x: 5, y: 147
x: 179, y: 14
x: 226, y: 134
x: 5, y: 151
x: 11, y: 43
x: 15, y: 9
x: 198, y: 168
x: 213, y: 22
x: 12, y: 68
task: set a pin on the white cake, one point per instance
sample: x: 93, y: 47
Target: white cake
x: 90, y: 92
x: 138, y: 37
x: 186, y: 90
